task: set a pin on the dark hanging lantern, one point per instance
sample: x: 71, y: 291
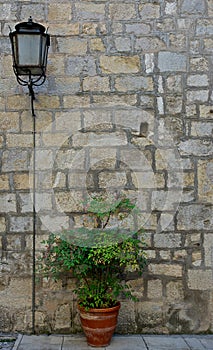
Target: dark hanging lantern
x: 30, y: 43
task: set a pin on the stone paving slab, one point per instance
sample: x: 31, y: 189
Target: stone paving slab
x: 119, y: 342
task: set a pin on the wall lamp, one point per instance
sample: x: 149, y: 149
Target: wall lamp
x: 30, y: 43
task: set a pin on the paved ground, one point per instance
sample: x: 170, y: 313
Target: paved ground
x: 130, y: 342
x: 7, y: 341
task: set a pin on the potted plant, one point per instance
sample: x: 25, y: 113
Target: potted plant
x: 99, y: 255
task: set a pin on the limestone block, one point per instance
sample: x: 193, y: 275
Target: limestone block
x: 191, y: 111
x: 97, y: 120
x: 188, y: 179
x: 204, y: 27
x: 120, y: 64
x: 2, y: 224
x: 180, y: 255
x: 101, y: 158
x: 18, y: 293
x: 14, y: 103
x: 200, y: 279
x: 1, y: 141
x: 19, y: 140
x: 52, y: 223
x: 43, y: 119
x: 7, y: 202
x: 38, y: 11
x: 115, y: 100
x: 149, y: 11
x: 138, y: 28
x: 149, y: 314
x: 165, y: 254
x: 69, y: 122
x: 59, y: 180
x: 89, y: 10
x: 47, y: 102
x: 197, y: 80
x: 137, y: 161
x: 70, y: 159
x: 205, y: 180
x: 196, y: 147
x: 115, y: 179
x: 174, y: 291
x: 174, y: 104
x: 206, y: 112
x: 193, y: 7
x: 96, y: 44
x: 44, y: 159
x: 9, y: 121
x: 2, y: 102
x: 59, y: 12
x: 55, y: 139
x: 21, y: 224
x: 4, y: 182
x: 118, y: 138
x: 63, y: 30
x: 154, y: 290
x: 201, y: 129
x: 72, y: 46
x: 174, y: 84
x: 80, y: 180
x: 149, y: 44
x: 174, y: 270
x: 144, y: 179
x: 79, y: 65
x: 63, y: 317
x: 208, y: 43
x: 195, y: 217
x: 197, y: 96
x: 199, y: 64
x: 130, y: 83
x: 14, y: 242
x: 126, y: 318
x: 196, y: 258
x: 167, y: 240
x: 164, y: 200
x: 21, y: 181
x: 73, y: 101
x: 90, y: 28
x: 170, y: 8
x: 71, y: 201
x: 6, y: 12
x: 170, y: 61
x: 149, y: 62
x: 123, y: 44
x: 208, y: 249
x: 122, y: 11
x: 67, y: 85
x: 96, y: 84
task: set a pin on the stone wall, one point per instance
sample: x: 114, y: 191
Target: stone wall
x: 127, y: 107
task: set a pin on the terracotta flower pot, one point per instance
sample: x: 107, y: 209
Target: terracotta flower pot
x: 99, y: 324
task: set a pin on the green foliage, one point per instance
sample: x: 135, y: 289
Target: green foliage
x: 99, y: 257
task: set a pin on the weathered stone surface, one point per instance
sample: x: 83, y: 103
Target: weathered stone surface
x: 165, y: 269
x: 193, y: 7
x: 119, y: 11
x: 120, y: 64
x: 167, y: 240
x: 200, y: 279
x: 127, y: 106
x: 196, y: 147
x: 205, y: 180
x: 195, y: 217
x: 170, y: 61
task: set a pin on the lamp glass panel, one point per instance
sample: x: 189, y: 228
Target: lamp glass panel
x: 28, y: 50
